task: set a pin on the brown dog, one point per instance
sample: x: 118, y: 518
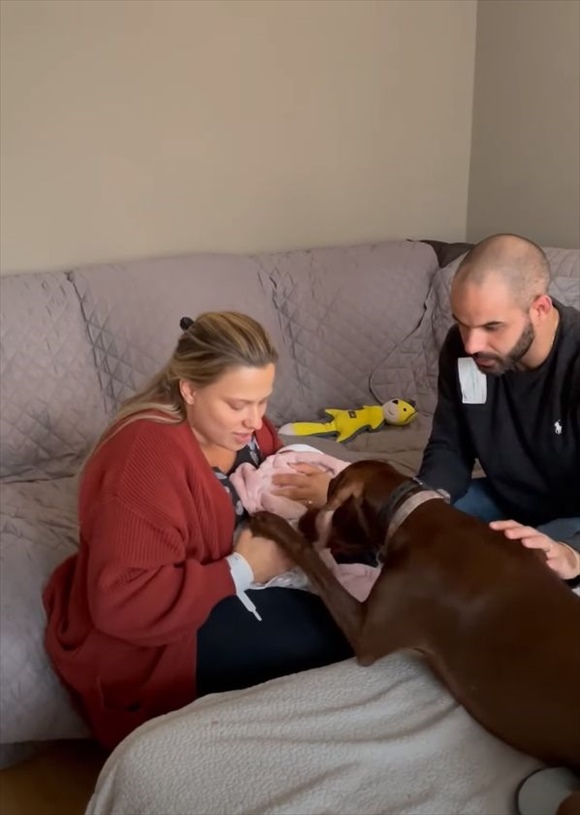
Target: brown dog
x: 499, y: 628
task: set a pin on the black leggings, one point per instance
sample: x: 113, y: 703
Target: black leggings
x: 235, y: 650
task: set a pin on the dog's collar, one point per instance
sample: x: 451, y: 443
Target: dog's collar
x: 403, y: 501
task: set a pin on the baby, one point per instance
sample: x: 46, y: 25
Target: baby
x: 256, y: 491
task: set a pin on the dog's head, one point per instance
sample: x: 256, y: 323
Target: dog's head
x: 350, y: 522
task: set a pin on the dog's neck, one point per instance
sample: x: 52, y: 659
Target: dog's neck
x: 402, y: 502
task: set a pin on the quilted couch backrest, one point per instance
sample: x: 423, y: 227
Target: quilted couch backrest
x: 331, y: 313
x: 342, y: 310
x: 133, y: 310
x: 51, y: 404
x: 564, y: 286
x: 417, y: 357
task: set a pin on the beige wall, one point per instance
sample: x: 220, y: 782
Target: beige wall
x: 143, y: 128
x: 525, y: 165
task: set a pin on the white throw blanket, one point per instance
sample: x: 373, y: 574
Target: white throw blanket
x: 386, y: 739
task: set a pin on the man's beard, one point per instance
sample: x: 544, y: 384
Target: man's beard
x: 508, y: 362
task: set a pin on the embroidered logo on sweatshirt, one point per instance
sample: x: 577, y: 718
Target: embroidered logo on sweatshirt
x: 558, y: 427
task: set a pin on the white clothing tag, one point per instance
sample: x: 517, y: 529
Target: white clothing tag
x: 472, y: 381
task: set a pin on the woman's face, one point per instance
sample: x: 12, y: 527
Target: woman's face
x: 228, y: 412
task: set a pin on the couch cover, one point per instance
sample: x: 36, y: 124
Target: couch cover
x: 74, y: 344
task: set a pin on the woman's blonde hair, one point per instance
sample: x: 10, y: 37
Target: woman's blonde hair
x: 210, y: 345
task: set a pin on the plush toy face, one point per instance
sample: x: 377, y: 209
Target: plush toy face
x: 399, y: 412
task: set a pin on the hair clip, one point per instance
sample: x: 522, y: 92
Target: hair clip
x: 185, y: 323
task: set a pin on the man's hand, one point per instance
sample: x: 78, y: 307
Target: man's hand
x: 309, y: 485
x: 560, y: 557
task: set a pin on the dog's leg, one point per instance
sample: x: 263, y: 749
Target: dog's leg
x: 373, y: 628
x: 388, y: 624
x: 347, y: 612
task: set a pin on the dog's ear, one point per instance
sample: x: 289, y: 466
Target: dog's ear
x: 307, y: 525
x: 343, y: 486
x: 333, y: 487
x: 350, y: 525
x: 365, y: 519
x: 374, y: 499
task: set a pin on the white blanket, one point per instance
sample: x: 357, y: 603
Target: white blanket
x: 387, y: 739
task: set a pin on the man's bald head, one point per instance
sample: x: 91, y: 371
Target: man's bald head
x: 519, y: 263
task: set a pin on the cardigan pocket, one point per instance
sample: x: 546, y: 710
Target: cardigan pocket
x: 126, y: 704
x: 114, y: 717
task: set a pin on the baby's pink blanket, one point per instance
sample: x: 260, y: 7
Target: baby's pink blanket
x: 254, y: 486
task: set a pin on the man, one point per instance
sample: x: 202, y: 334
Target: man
x: 509, y: 395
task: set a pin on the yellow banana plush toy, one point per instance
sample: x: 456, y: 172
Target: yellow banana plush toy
x: 346, y: 424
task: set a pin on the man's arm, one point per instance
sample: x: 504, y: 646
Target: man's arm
x: 448, y: 457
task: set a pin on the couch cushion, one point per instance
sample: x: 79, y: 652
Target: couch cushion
x: 51, y: 402
x: 133, y: 311
x: 342, y: 311
x: 411, y: 369
x: 564, y: 286
x: 400, y: 446
x: 565, y: 273
x: 38, y: 529
x: 447, y: 252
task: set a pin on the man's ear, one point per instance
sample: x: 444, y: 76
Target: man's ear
x: 542, y: 305
x: 187, y: 391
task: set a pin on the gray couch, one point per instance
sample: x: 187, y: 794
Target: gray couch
x: 74, y: 344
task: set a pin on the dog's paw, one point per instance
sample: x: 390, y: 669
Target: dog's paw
x: 268, y: 525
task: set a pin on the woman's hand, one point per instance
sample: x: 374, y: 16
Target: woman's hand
x: 560, y: 557
x: 264, y: 557
x: 309, y: 485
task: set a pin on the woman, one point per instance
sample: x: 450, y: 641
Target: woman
x: 145, y: 616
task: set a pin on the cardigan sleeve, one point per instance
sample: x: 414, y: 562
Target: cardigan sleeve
x: 139, y: 587
x: 153, y: 574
